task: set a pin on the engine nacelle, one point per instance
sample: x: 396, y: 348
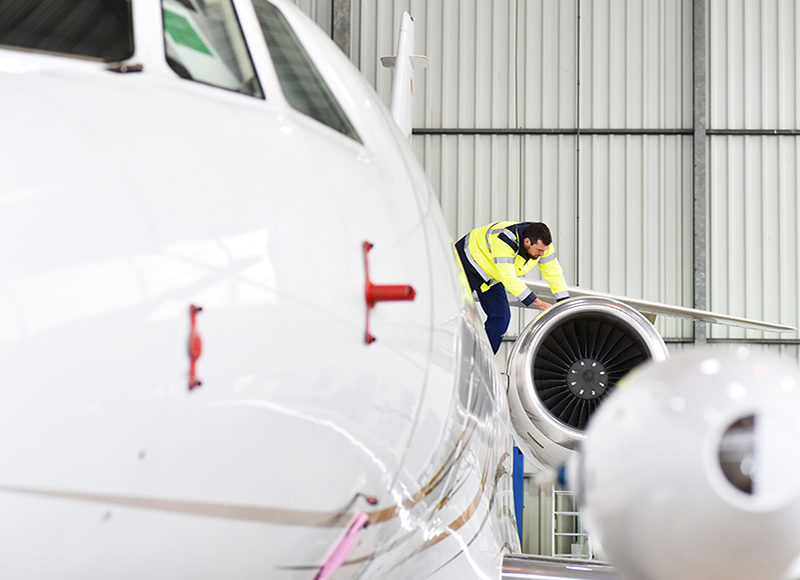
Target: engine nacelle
x: 565, y: 363
x: 692, y: 469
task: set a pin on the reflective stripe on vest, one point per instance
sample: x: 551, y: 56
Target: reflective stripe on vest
x: 484, y: 276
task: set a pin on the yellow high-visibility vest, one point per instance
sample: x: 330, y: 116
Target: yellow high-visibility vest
x: 496, y: 254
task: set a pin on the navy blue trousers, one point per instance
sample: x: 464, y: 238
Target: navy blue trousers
x: 495, y: 304
x: 494, y: 301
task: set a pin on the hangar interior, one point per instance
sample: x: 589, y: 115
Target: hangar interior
x: 658, y: 139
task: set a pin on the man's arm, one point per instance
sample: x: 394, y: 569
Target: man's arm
x: 519, y: 289
x: 553, y: 274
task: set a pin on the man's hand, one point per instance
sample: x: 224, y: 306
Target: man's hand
x: 540, y: 304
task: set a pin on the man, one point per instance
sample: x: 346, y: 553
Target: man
x: 495, y: 255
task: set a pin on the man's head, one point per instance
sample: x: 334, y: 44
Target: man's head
x: 536, y: 238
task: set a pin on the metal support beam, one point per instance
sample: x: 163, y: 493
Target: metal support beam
x: 700, y: 197
x: 341, y: 25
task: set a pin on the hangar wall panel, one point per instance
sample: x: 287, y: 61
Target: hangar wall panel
x: 635, y: 235
x: 754, y: 84
x: 320, y: 11
x: 754, y: 64
x: 513, y: 64
x: 636, y: 64
x: 755, y: 237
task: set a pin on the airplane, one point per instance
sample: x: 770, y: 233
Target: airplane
x: 235, y: 338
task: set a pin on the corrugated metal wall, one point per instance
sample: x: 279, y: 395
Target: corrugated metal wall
x: 754, y: 79
x: 320, y: 12
x: 496, y: 123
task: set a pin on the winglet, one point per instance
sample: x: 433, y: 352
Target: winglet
x: 402, y: 84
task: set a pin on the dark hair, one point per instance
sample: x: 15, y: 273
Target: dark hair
x: 538, y: 231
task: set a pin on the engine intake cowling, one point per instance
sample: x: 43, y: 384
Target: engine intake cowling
x: 565, y: 363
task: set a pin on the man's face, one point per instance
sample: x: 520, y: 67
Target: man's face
x: 536, y: 250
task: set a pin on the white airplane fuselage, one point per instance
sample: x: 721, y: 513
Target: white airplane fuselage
x: 129, y: 197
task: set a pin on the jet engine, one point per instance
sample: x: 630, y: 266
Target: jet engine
x: 565, y: 364
x: 692, y: 469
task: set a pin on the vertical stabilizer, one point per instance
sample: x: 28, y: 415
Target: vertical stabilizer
x: 402, y: 83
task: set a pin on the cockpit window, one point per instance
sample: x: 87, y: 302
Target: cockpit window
x: 300, y: 80
x: 204, y: 43
x: 100, y: 29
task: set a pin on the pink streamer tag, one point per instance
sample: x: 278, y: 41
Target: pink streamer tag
x: 344, y: 548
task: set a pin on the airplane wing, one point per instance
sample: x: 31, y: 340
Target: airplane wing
x: 541, y: 289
